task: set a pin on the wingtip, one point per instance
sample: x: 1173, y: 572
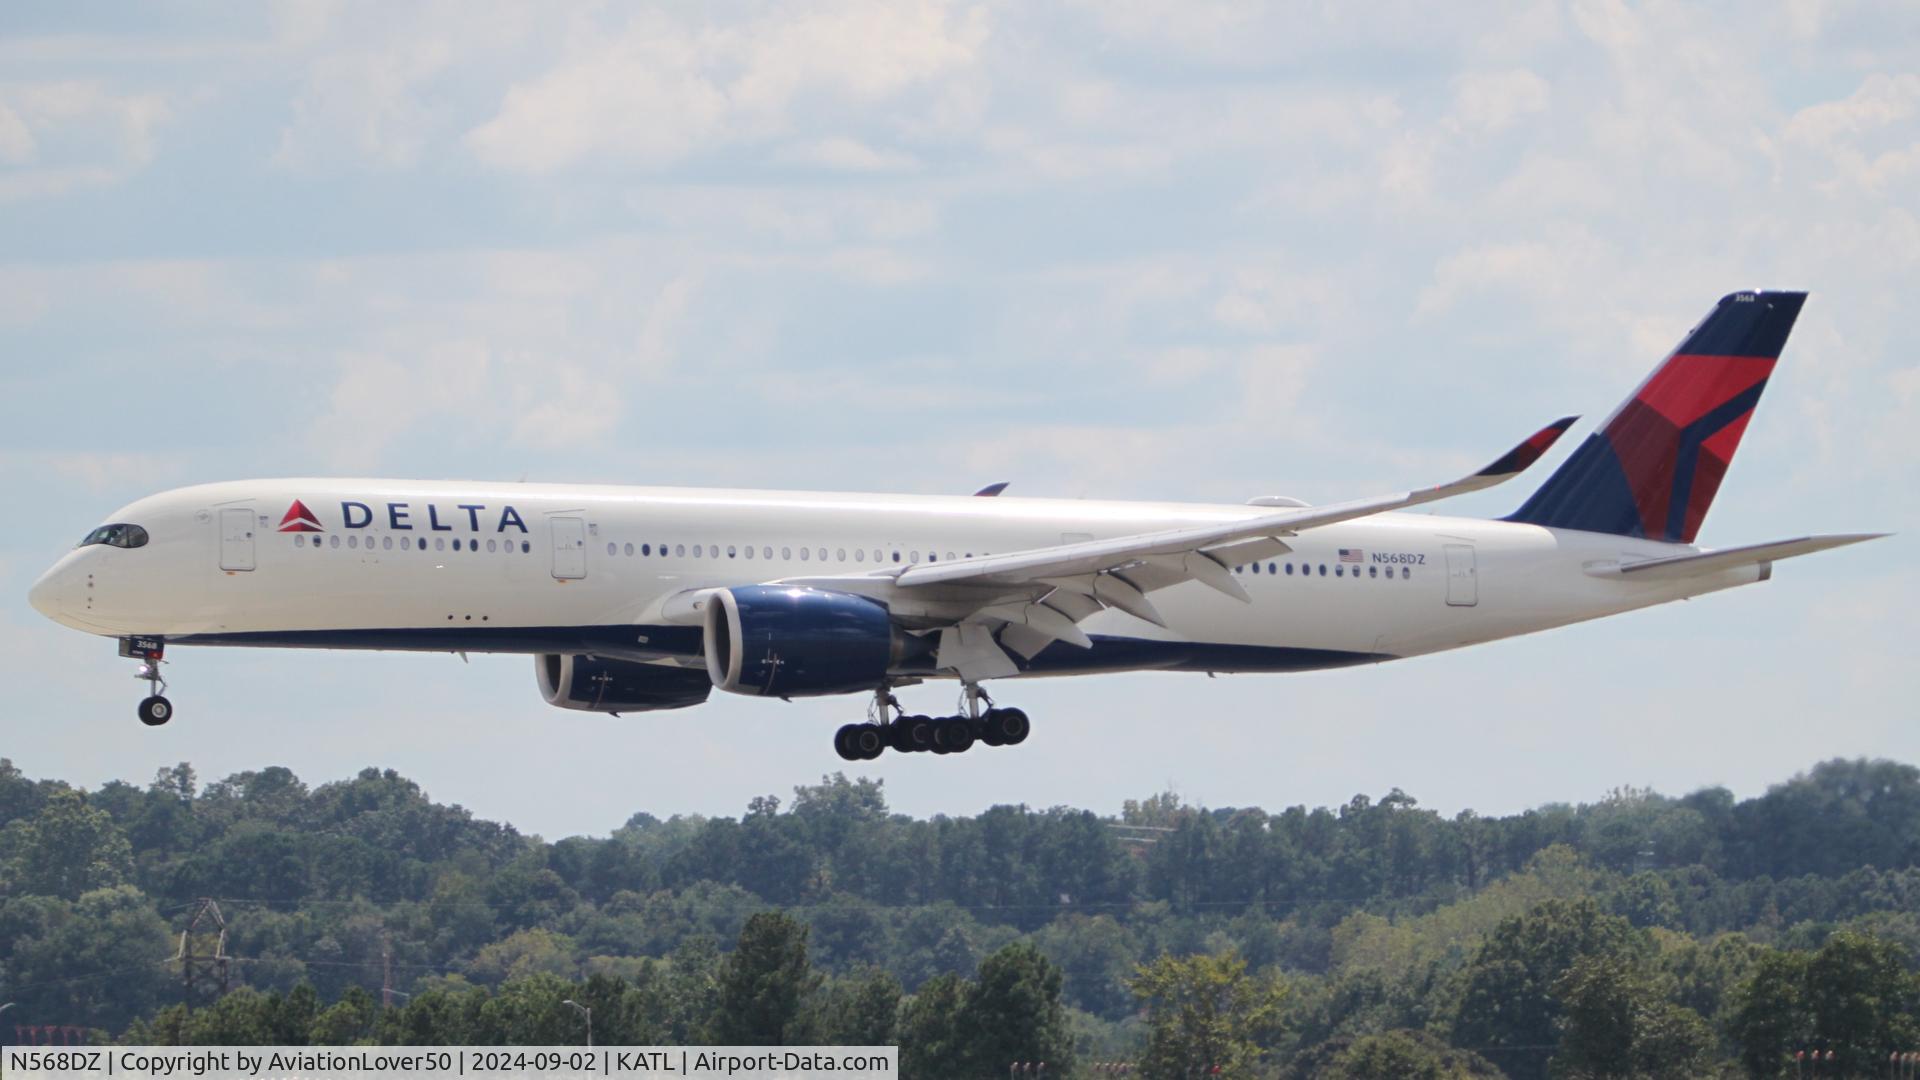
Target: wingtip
x: 1532, y: 449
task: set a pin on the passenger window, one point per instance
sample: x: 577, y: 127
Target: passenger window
x: 730, y: 552
x: 386, y: 543
x: 1373, y: 571
x: 749, y: 551
x: 1289, y: 569
x: 803, y: 554
x: 299, y: 541
x: 860, y: 555
x: 766, y: 552
x: 1323, y: 569
x: 680, y: 549
x: 1406, y: 572
x: 785, y: 553
x: 697, y: 549
x: 823, y: 554
x: 896, y: 556
x: 612, y: 548
x: 949, y: 556
x: 1339, y: 571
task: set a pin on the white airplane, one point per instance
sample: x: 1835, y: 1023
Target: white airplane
x: 634, y: 598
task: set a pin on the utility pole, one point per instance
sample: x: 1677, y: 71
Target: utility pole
x: 586, y: 1012
x: 193, y: 965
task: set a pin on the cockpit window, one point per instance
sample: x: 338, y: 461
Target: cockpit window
x: 122, y: 536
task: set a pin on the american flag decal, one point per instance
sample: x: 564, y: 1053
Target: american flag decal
x: 1351, y: 555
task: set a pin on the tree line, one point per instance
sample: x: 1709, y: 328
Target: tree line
x: 1639, y: 935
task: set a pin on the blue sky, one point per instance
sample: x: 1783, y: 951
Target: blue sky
x: 1148, y: 249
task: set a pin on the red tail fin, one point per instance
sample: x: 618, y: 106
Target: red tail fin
x: 1654, y: 466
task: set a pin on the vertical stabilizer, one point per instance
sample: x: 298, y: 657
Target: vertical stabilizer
x: 1653, y: 467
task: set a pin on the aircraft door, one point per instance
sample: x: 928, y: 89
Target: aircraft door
x: 1463, y: 586
x: 569, y: 548
x: 236, y: 538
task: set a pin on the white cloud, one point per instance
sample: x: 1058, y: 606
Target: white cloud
x: 1491, y: 101
x: 843, y: 154
x: 660, y: 89
x: 72, y: 134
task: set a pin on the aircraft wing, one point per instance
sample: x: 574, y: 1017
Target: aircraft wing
x: 1026, y: 600
x: 1200, y: 552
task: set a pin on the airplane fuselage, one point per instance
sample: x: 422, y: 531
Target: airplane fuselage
x: 544, y: 568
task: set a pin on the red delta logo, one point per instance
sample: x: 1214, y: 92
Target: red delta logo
x: 299, y: 519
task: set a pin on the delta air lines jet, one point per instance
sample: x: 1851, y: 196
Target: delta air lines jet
x: 638, y: 598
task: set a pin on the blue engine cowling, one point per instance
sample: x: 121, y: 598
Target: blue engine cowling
x: 593, y: 684
x: 785, y: 641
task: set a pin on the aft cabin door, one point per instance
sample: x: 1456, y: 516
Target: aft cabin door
x: 569, y: 548
x: 236, y: 539
x: 1463, y: 585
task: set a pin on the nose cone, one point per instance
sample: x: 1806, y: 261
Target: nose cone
x: 49, y: 596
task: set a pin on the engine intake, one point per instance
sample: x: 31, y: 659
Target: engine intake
x: 786, y: 641
x: 592, y: 684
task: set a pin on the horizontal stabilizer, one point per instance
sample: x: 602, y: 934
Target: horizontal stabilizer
x: 1707, y: 562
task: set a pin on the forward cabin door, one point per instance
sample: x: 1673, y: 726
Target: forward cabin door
x: 236, y: 538
x: 1463, y: 585
x: 569, y: 548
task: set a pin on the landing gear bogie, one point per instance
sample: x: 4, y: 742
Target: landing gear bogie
x: 889, y: 727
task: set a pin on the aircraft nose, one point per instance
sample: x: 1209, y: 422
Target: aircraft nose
x: 48, y: 595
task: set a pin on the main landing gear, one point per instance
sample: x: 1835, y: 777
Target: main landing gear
x: 889, y: 728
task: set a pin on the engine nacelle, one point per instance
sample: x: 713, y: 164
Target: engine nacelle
x: 592, y: 684
x: 785, y: 641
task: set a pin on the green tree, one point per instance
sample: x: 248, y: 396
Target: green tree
x: 860, y: 1009
x: 1205, y: 1011
x: 1854, y: 996
x: 763, y: 983
x: 1617, y: 1023
x: 1390, y: 1055
x: 1508, y: 1011
x: 68, y: 848
x: 348, y: 1022
x: 1013, y: 1013
x: 932, y: 1041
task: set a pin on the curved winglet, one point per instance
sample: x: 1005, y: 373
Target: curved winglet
x: 1533, y: 449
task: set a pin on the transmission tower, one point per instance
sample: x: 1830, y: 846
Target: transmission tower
x: 196, y: 964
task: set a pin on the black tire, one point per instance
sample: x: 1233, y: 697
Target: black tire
x: 957, y: 732
x: 1010, y: 725
x: 919, y: 734
x: 867, y: 741
x: 843, y: 742
x: 985, y: 730
x: 155, y: 711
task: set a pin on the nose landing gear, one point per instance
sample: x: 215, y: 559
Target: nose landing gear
x: 155, y: 709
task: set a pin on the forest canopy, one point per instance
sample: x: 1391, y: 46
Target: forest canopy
x: 1642, y: 934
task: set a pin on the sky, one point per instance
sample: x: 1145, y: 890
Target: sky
x: 1158, y: 249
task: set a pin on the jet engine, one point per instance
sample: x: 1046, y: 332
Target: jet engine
x: 784, y: 641
x: 593, y: 684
